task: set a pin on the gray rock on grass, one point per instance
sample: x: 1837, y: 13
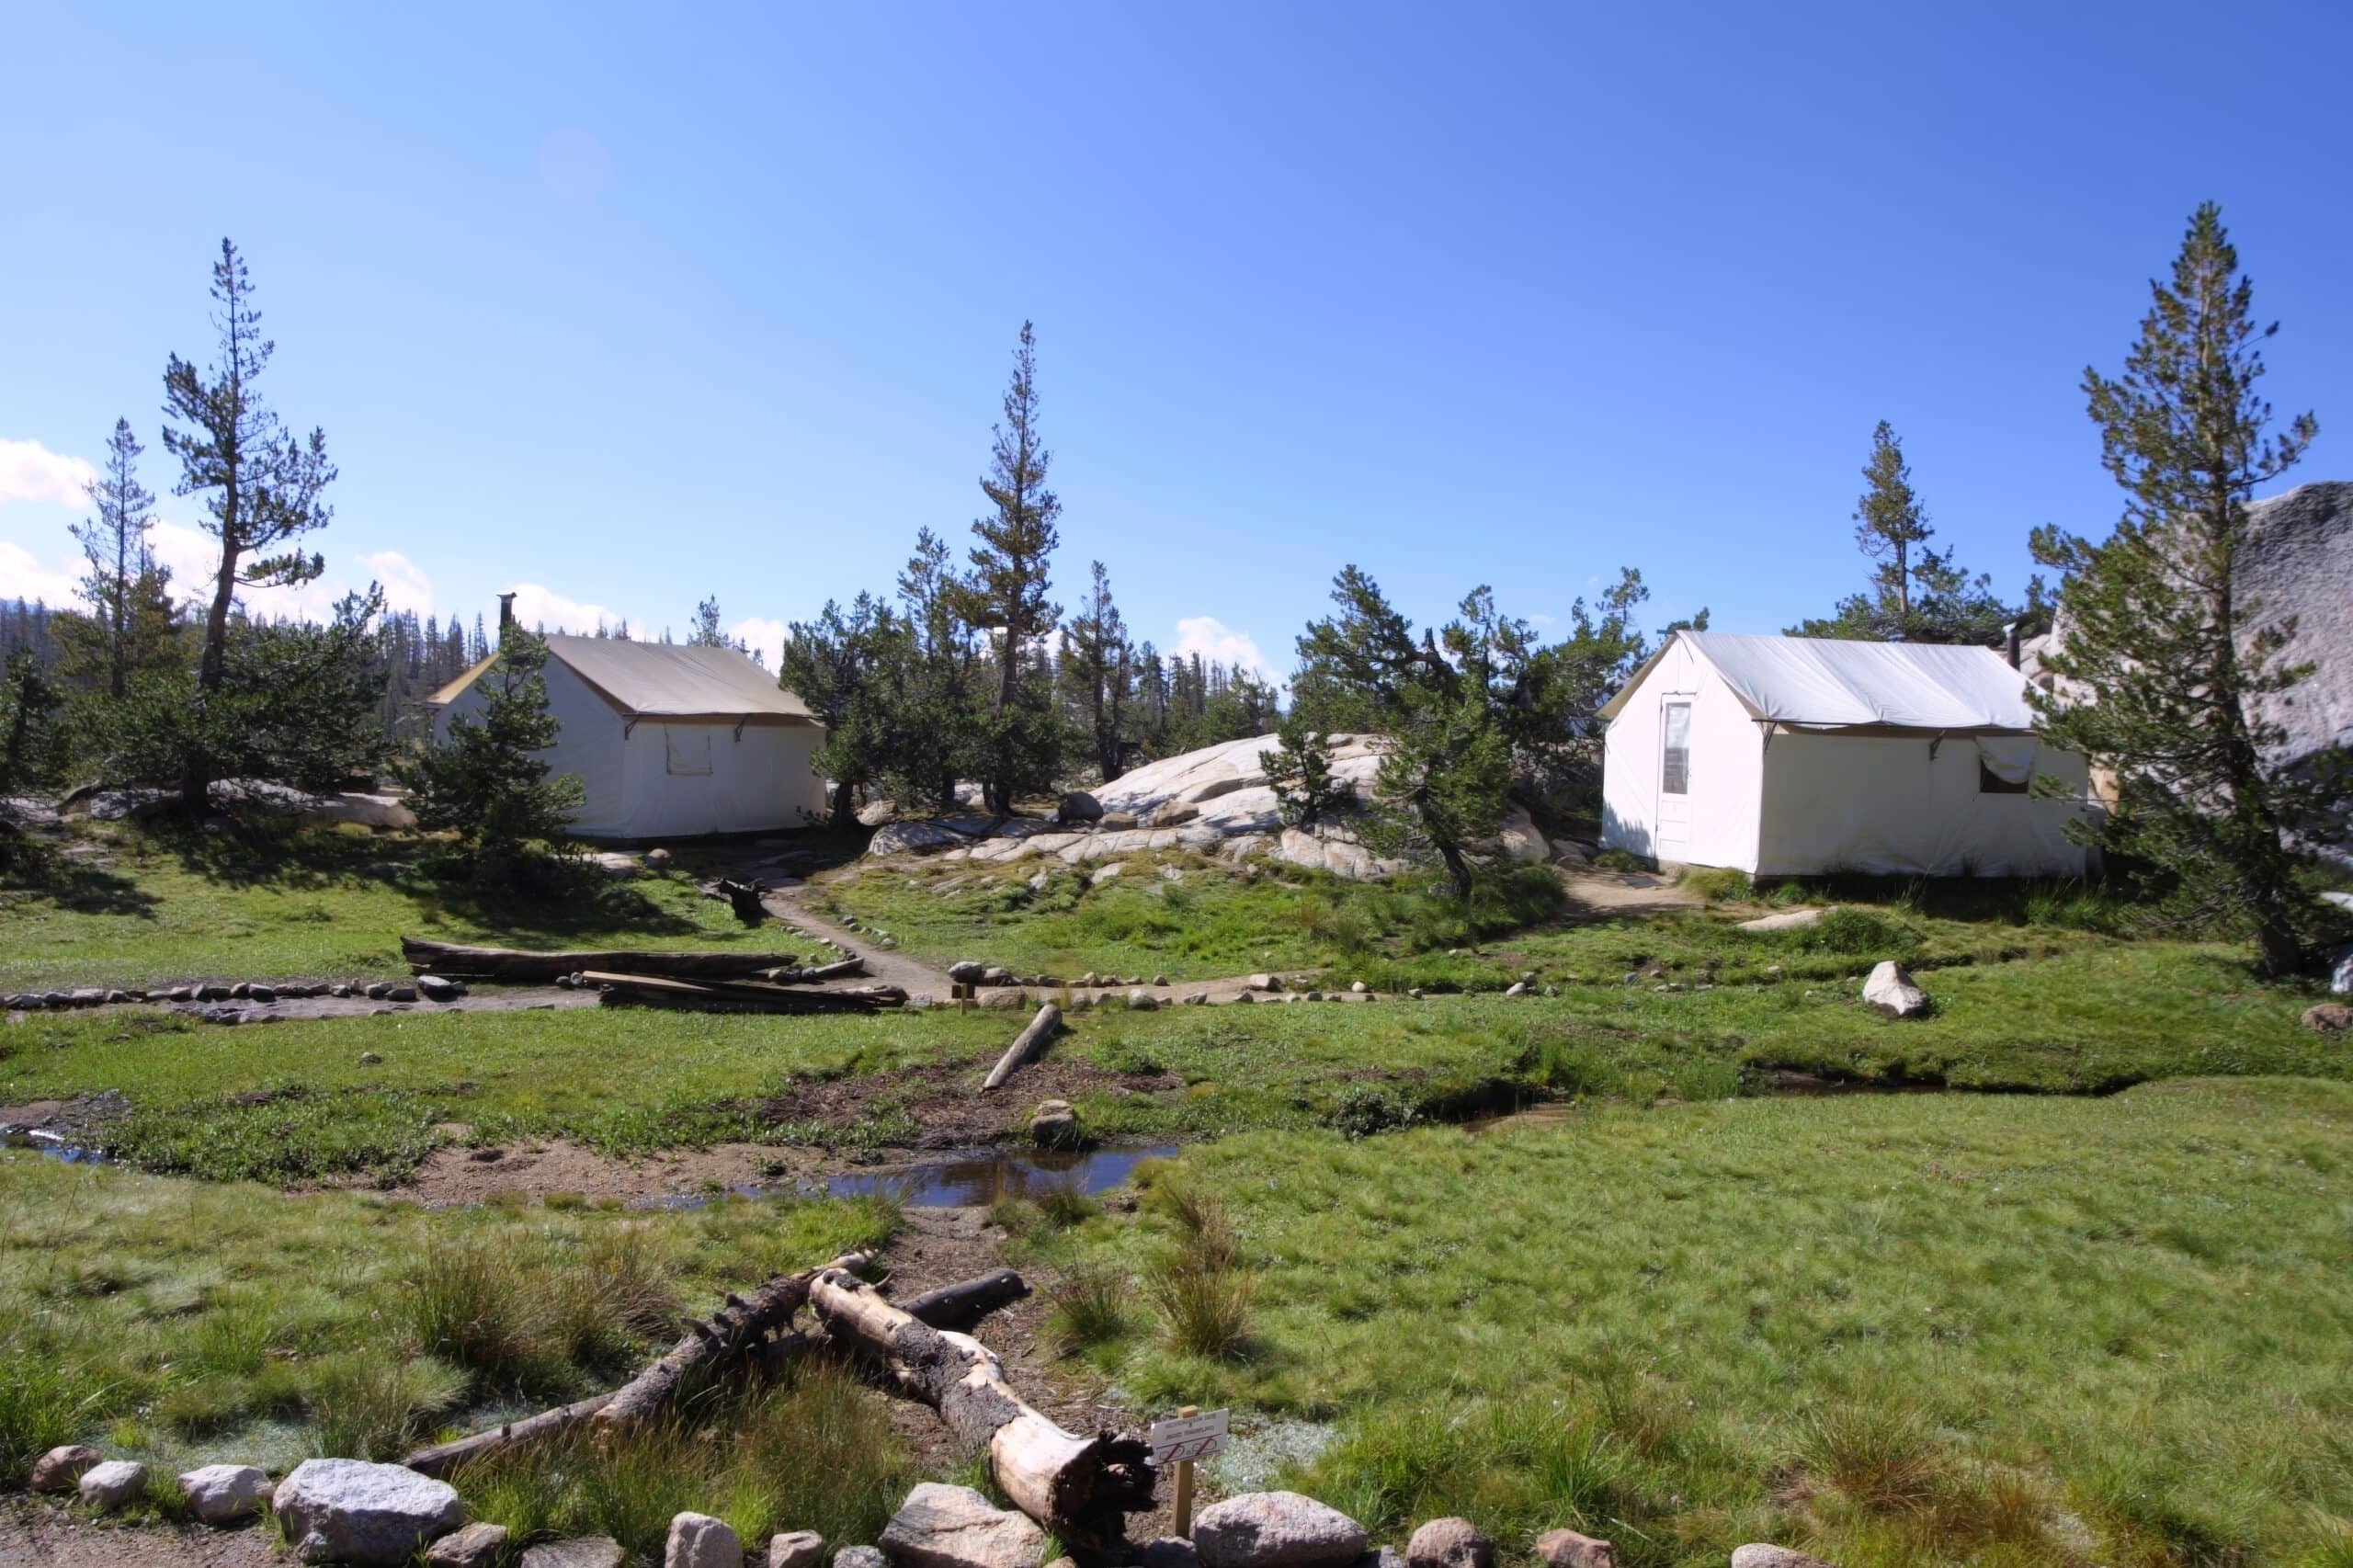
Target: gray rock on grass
x: 1891, y: 990
x: 1450, y: 1543
x: 1571, y: 1549
x: 796, y: 1549
x: 581, y: 1551
x: 61, y: 1469
x: 697, y: 1541
x: 1276, y: 1529
x: 113, y: 1484
x: 1791, y: 920
x: 370, y: 1516
x: 224, y: 1493
x: 955, y: 1527
x: 1758, y: 1555
x: 860, y: 1557
x: 478, y: 1545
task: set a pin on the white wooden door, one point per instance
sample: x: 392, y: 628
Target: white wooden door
x: 1674, y: 815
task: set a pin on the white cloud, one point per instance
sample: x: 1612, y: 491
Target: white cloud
x: 764, y: 636
x: 536, y: 606
x: 405, y: 582
x: 1213, y: 638
x: 30, y: 472
x: 24, y: 577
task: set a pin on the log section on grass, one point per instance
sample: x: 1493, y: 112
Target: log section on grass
x: 1081, y: 1489
x: 1042, y: 1029
x: 457, y: 962
x: 726, y: 996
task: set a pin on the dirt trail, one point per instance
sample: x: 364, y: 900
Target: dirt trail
x: 38, y: 1534
x: 886, y: 965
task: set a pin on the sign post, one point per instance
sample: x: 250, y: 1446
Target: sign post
x: 1190, y: 1435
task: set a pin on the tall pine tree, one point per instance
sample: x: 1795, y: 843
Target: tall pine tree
x: 1006, y: 592
x: 132, y: 624
x: 2171, y: 655
x: 261, y: 486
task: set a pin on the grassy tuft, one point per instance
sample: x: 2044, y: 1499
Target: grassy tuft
x: 1719, y: 884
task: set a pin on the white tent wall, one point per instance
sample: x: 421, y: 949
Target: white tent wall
x: 1714, y: 823
x: 758, y: 778
x: 1880, y: 804
x: 591, y: 746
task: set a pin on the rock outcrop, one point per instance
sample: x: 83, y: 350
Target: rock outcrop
x: 1217, y: 801
x: 2297, y: 562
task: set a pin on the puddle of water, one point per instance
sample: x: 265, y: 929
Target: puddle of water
x: 41, y: 1140
x: 981, y: 1176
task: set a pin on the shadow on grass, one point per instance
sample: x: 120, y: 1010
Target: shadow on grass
x: 79, y: 888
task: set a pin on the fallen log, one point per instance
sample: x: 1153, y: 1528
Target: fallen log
x: 1042, y: 1029
x: 947, y: 1304
x: 513, y: 964
x: 729, y: 1333
x: 707, y: 1346
x: 845, y: 969
x: 967, y: 1300
x: 721, y: 996
x: 1081, y: 1489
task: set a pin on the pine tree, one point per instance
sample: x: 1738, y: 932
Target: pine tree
x: 487, y: 781
x: 839, y: 665
x: 131, y: 618
x: 706, y: 633
x: 1918, y: 593
x: 2172, y: 654
x: 1006, y: 593
x: 1097, y: 669
x: 261, y: 486
x: 28, y: 742
x: 1307, y: 792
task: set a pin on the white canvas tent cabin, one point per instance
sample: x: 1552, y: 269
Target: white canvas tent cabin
x: 1800, y: 757
x: 667, y: 741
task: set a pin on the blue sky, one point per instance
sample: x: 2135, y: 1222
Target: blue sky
x: 623, y: 308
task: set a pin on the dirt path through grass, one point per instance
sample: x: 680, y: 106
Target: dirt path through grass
x: 35, y: 1534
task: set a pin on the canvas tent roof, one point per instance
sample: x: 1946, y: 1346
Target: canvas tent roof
x: 665, y: 680
x: 1829, y: 683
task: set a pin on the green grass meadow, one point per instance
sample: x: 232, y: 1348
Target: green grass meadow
x: 1896, y: 1329
x: 185, y: 1323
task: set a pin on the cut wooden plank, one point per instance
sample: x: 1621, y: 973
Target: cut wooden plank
x: 460, y: 962
x: 846, y: 970
x: 1042, y: 1029
x: 722, y: 996
x: 1081, y: 1489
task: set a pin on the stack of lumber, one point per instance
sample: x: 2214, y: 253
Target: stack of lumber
x: 711, y: 981
x: 735, y: 996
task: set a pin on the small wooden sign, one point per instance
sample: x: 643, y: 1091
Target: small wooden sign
x: 1188, y: 1436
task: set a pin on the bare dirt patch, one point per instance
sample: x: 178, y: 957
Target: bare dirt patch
x: 939, y: 1106
x: 34, y: 1534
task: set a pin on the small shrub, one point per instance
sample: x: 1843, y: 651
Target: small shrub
x: 1063, y: 1204
x: 1089, y: 1307
x: 1858, y: 932
x: 1365, y: 1110
x: 45, y: 1400
x: 1619, y: 860
x: 366, y: 1405
x: 1205, y: 1306
x: 480, y: 1309
x: 1720, y: 884
x: 1881, y: 1455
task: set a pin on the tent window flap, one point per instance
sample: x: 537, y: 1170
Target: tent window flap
x: 1675, y: 758
x: 2006, y: 764
x: 687, y: 748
